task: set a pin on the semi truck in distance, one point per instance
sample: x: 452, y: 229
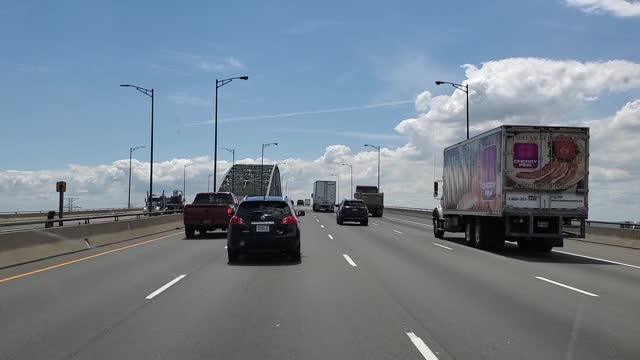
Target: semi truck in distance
x: 515, y: 183
x: 324, y: 195
x: 372, y: 198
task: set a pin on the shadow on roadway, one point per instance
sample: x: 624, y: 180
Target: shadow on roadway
x: 350, y: 224
x: 217, y: 235
x: 511, y: 250
x: 266, y: 258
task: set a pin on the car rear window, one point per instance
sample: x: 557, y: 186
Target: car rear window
x: 264, y: 207
x: 213, y: 199
x: 359, y: 204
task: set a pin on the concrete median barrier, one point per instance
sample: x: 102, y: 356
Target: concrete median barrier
x: 611, y: 236
x: 25, y: 246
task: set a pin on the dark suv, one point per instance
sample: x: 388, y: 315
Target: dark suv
x: 353, y: 210
x: 264, y: 223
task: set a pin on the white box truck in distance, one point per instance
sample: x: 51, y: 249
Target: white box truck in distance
x: 515, y: 183
x: 324, y: 195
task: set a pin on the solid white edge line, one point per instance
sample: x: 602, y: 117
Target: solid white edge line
x: 164, y: 287
x: 599, y: 259
x: 442, y: 246
x: 330, y: 237
x: 412, y: 222
x: 567, y: 286
x: 399, y: 232
x: 349, y: 260
x: 422, y: 347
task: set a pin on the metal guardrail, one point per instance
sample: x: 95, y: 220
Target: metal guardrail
x: 39, y: 212
x: 87, y: 219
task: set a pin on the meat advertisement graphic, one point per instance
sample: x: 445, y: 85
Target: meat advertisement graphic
x: 546, y: 161
x: 472, y: 175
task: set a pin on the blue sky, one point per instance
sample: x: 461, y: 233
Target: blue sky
x: 62, y: 62
x: 324, y: 79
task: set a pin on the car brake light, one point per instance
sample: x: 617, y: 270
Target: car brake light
x: 229, y: 211
x: 289, y: 220
x: 237, y: 221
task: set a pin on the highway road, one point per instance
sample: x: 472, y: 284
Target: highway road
x: 386, y: 291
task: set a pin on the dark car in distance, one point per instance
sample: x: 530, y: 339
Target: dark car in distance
x: 300, y: 202
x: 352, y: 210
x: 264, y: 223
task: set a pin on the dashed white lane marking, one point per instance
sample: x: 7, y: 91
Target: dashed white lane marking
x: 164, y: 287
x: 599, y: 259
x: 399, y: 232
x: 349, y: 260
x: 422, y: 347
x: 567, y: 286
x: 330, y: 237
x: 317, y: 220
x: 322, y: 226
x: 376, y: 224
x: 411, y: 222
x: 225, y: 247
x: 442, y: 246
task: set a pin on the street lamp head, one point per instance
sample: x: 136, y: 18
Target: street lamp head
x: 125, y: 85
x: 439, y: 82
x: 244, y: 77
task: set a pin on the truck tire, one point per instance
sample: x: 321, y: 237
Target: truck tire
x: 232, y: 256
x: 438, y: 233
x: 379, y: 213
x: 525, y: 244
x: 545, y: 246
x: 469, y: 233
x: 480, y: 234
x: 364, y: 222
x: 189, y: 232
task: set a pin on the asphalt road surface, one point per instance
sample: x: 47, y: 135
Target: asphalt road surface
x: 386, y: 291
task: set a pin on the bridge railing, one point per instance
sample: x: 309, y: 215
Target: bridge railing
x: 86, y: 219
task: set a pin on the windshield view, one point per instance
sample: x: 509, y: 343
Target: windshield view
x: 356, y: 179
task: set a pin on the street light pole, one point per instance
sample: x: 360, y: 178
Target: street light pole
x: 338, y: 182
x: 460, y: 87
x: 262, y: 167
x: 184, y: 179
x: 377, y: 147
x: 351, y: 169
x: 131, y: 150
x: 233, y: 164
x: 149, y: 93
x: 219, y: 84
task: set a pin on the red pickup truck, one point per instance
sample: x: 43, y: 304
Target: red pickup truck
x: 208, y: 212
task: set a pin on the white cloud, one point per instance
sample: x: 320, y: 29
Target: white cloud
x: 29, y: 68
x: 311, y: 112
x: 200, y: 62
x: 184, y: 98
x: 619, y: 8
x: 356, y: 134
x: 516, y: 91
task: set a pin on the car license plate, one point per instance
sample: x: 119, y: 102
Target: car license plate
x: 543, y: 224
x: 262, y: 228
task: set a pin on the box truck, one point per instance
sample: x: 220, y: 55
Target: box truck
x: 515, y: 183
x: 324, y: 195
x: 372, y: 198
